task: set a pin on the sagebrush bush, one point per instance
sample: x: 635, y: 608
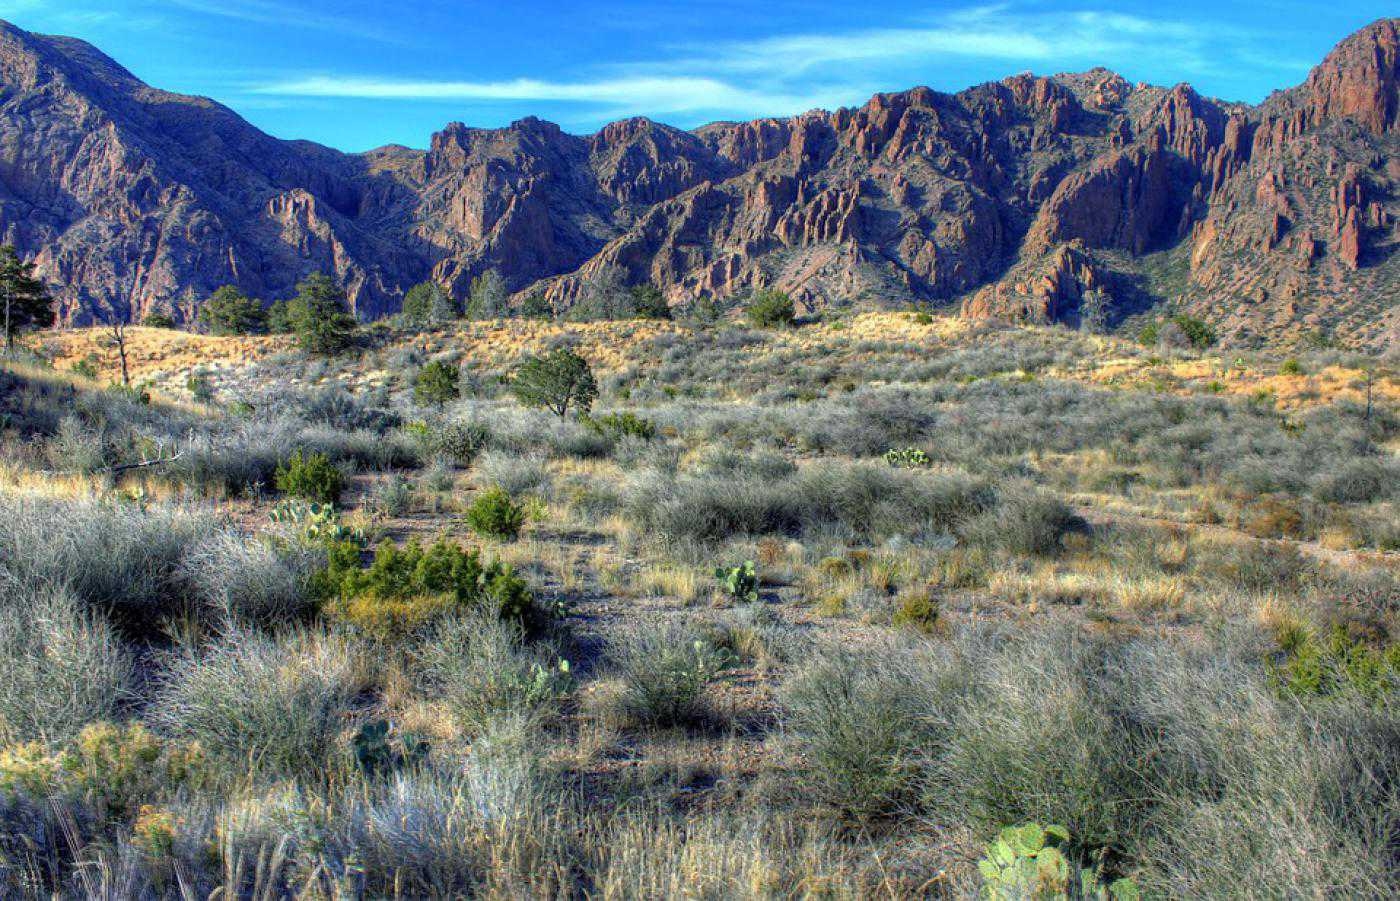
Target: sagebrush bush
x: 459, y: 441
x: 271, y: 704
x: 252, y: 580
x: 484, y: 670
x: 666, y: 672
x: 512, y: 473
x: 1026, y: 522
x: 864, y: 500
x: 64, y: 666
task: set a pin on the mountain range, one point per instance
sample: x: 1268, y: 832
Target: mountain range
x: 1066, y: 198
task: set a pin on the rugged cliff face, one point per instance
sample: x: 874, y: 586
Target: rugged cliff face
x: 1024, y: 198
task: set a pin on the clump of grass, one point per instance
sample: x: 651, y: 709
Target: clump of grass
x: 253, y: 701
x: 121, y: 560
x: 666, y: 673
x: 248, y: 580
x: 483, y: 669
x: 65, y: 668
x: 513, y: 474
x: 391, y: 497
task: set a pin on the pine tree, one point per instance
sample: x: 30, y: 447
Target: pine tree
x: 427, y: 304
x: 320, y: 316
x: 489, y: 297
x: 26, y: 301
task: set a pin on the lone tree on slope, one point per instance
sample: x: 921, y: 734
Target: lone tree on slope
x: 26, y: 302
x: 559, y: 381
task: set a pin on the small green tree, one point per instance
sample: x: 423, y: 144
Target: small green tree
x: 26, y: 301
x: 771, y: 308
x: 279, y: 318
x: 489, y: 297
x: 559, y: 381
x: 320, y: 316
x: 537, y: 306
x: 200, y: 388
x: 649, y: 303
x: 495, y: 515
x: 312, y: 477
x: 603, y: 295
x: 427, y: 304
x: 158, y: 320
x: 436, y: 383
x: 229, y: 311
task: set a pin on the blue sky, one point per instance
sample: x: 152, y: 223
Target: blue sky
x: 356, y: 74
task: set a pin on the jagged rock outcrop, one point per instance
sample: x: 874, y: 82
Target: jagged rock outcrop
x: 1029, y: 198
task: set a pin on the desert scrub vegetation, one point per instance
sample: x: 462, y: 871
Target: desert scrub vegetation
x: 1151, y: 756
x: 827, y: 610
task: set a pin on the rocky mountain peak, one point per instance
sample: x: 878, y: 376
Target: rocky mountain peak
x: 1360, y: 79
x: 1022, y: 198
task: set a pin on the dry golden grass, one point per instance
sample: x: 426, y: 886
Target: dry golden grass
x: 673, y: 581
x: 165, y: 357
x: 154, y: 352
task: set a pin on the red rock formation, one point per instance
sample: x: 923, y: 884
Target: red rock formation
x: 1016, y: 197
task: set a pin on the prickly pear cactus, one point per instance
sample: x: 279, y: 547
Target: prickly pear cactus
x: 908, y: 458
x: 1030, y: 862
x: 739, y: 582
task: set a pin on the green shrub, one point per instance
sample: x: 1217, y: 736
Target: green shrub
x: 916, y: 610
x: 1196, y: 332
x: 559, y: 381
x: 436, y: 383
x: 406, y: 588
x: 159, y: 320
x: 770, y: 308
x: 311, y: 477
x: 622, y: 425
x: 1338, y: 664
x: 495, y: 515
x: 87, y: 367
x: 320, y: 316
x: 109, y: 769
x: 1291, y: 366
x: 428, y: 304
x: 200, y: 388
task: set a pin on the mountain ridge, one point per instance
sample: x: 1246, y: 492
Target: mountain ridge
x: 1063, y: 198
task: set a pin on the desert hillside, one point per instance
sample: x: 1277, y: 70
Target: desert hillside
x: 884, y: 605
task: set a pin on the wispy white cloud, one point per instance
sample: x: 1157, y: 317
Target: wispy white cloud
x: 995, y: 33
x: 791, y: 73
x: 674, y: 94
x: 282, y: 13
